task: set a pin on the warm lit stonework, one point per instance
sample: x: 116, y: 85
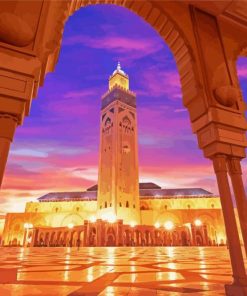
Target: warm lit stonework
x: 120, y: 211
x: 206, y: 38
x: 167, y: 271
x: 118, y: 192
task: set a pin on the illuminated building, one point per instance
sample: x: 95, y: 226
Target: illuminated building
x: 119, y: 211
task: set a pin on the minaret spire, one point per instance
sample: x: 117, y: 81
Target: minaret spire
x: 118, y: 188
x: 118, y: 66
x: 119, y: 78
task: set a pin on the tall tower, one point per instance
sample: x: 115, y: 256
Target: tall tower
x: 118, y: 182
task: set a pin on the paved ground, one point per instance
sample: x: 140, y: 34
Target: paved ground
x: 133, y: 271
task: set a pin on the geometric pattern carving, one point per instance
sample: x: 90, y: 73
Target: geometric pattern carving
x: 90, y: 271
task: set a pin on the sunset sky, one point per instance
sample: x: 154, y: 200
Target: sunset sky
x: 57, y: 147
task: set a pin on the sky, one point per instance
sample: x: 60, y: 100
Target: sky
x: 57, y: 148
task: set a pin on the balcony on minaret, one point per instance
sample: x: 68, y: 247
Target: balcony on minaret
x: 119, y: 78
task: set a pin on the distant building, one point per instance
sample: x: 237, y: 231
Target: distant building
x: 119, y: 211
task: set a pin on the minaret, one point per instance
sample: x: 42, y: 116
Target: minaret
x: 118, y: 182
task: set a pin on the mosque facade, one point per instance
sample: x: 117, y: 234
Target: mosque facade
x: 119, y: 211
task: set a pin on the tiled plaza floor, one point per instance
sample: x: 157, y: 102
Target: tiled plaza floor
x: 133, y: 271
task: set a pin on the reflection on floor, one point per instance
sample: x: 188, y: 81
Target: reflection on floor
x: 197, y: 271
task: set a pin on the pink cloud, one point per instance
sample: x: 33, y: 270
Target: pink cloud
x: 49, y: 180
x: 161, y: 83
x: 74, y: 103
x: 138, y: 47
x: 242, y: 68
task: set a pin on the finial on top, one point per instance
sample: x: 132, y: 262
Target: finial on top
x: 118, y: 66
x: 119, y: 70
x: 119, y: 78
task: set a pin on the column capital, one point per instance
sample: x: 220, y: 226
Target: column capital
x: 219, y: 163
x: 8, y: 124
x: 234, y: 166
x: 9, y: 116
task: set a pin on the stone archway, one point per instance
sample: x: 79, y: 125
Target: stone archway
x: 202, y: 53
x: 161, y: 21
x: 52, y: 240
x: 46, y: 239
x: 74, y: 219
x: 92, y: 236
x: 199, y: 238
x: 184, y: 238
x: 41, y: 238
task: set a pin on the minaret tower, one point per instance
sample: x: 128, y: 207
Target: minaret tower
x: 118, y: 182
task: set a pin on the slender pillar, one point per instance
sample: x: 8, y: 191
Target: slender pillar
x: 8, y: 125
x: 235, y: 171
x: 86, y: 233
x: 238, y: 288
x: 205, y: 234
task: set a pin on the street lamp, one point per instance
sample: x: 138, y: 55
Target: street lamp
x: 198, y: 222
x: 132, y: 224
x: 169, y: 225
x: 70, y: 225
x: 112, y: 218
x: 28, y: 225
x: 157, y: 225
x: 92, y: 219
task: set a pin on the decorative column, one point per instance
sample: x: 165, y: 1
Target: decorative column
x: 239, y: 286
x: 235, y: 172
x: 86, y: 233
x: 205, y: 234
x: 8, y: 125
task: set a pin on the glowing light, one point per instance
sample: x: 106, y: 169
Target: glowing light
x: 157, y: 225
x: 104, y: 217
x: 132, y: 224
x: 198, y: 222
x: 28, y: 225
x: 169, y: 225
x: 221, y: 240
x: 92, y: 219
x: 111, y: 218
x: 70, y: 225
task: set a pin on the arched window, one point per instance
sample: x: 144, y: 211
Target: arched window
x: 127, y: 204
x: 105, y: 204
x: 188, y: 206
x: 36, y: 210
x: 56, y: 210
x: 166, y: 207
x: 134, y: 206
x: 77, y: 209
x: 108, y: 122
x: 212, y: 206
x: 120, y: 204
x: 110, y: 204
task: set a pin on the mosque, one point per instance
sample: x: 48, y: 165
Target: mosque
x: 119, y: 211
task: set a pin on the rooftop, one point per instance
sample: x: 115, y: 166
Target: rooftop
x: 147, y: 191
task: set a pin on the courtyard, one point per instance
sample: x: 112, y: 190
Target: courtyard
x: 173, y: 271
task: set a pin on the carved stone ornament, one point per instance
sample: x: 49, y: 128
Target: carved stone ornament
x: 226, y: 95
x: 14, y: 30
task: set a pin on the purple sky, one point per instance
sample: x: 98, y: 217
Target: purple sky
x: 57, y: 147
